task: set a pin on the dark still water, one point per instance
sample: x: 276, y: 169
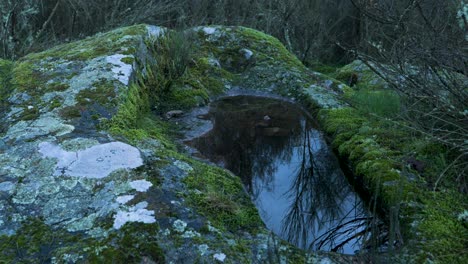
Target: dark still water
x: 291, y: 174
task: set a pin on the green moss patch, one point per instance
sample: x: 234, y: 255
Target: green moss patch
x: 134, y: 120
x: 102, y: 93
x: 361, y: 74
x: 204, y: 76
x: 57, y: 86
x: 184, y: 98
x: 268, y: 46
x: 220, y: 196
x: 29, y: 113
x: 26, y: 77
x: 445, y: 236
x: 36, y: 242
x: 99, y: 45
x: 133, y: 243
x: 128, y: 60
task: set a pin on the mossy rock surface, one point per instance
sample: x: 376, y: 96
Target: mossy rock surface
x: 91, y: 173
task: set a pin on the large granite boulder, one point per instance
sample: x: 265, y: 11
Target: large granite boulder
x: 88, y: 173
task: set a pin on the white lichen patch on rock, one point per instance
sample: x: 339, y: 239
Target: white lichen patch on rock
x: 141, y: 185
x: 219, y: 257
x: 94, y: 162
x: 203, y: 248
x: 179, y: 225
x: 209, y: 30
x: 137, y: 213
x: 190, y: 234
x: 121, y: 70
x: 124, y: 199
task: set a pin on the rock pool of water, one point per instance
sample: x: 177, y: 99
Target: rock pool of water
x: 286, y: 166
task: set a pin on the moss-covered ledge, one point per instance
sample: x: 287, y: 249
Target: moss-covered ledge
x: 427, y: 220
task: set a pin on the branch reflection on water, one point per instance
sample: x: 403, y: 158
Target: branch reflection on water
x: 325, y: 214
x: 293, y: 178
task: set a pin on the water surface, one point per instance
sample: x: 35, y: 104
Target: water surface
x: 286, y: 166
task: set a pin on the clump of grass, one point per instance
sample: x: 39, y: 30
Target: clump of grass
x: 381, y: 103
x: 172, y: 54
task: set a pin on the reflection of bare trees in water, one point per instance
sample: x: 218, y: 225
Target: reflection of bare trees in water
x: 238, y: 136
x: 265, y: 158
x: 321, y: 195
x: 252, y: 136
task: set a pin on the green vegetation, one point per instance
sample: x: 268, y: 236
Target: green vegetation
x: 266, y: 46
x: 34, y: 242
x: 381, y: 103
x: 445, y: 235
x: 327, y: 69
x: 133, y: 242
x: 399, y: 166
x: 103, y: 93
x: 134, y: 121
x: 26, y: 77
x: 29, y: 113
x: 172, y: 53
x: 57, y: 86
x: 203, y: 76
x: 364, y: 77
x: 219, y: 196
x: 37, y: 242
x: 111, y: 42
x: 376, y: 151
x: 128, y: 60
